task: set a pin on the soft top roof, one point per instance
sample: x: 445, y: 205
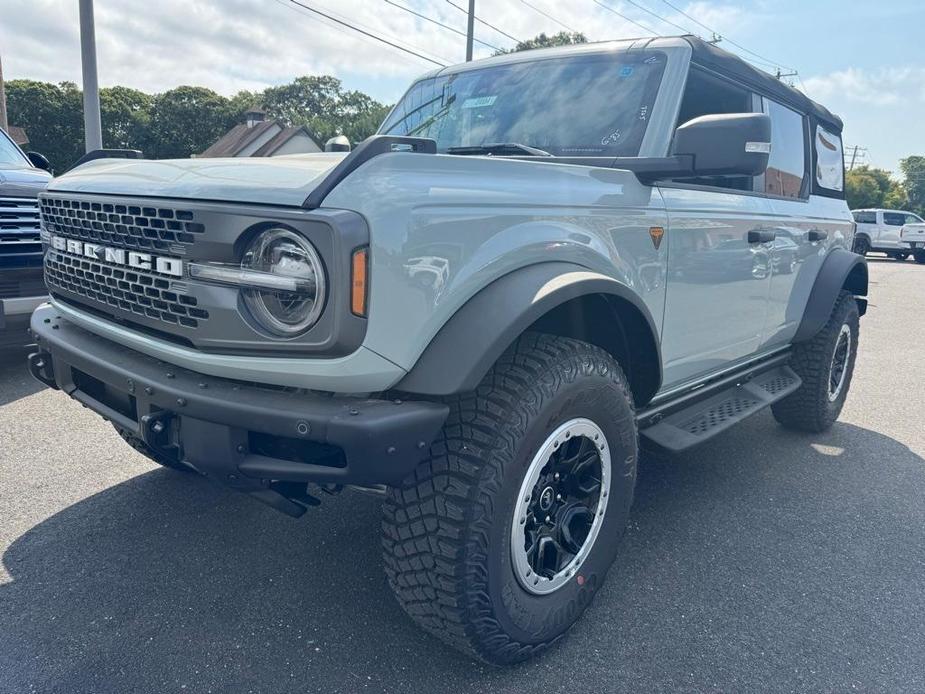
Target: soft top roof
x: 709, y: 56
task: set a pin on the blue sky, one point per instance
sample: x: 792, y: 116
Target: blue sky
x: 862, y: 60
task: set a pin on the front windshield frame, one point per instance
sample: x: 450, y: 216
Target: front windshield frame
x: 10, y: 153
x: 452, y: 90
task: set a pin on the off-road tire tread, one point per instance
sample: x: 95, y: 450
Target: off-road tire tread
x: 435, y: 525
x: 807, y: 409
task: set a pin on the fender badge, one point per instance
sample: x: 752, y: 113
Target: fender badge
x: 656, y: 233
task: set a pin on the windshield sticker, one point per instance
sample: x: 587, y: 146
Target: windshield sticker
x: 612, y: 138
x: 626, y: 71
x: 479, y: 101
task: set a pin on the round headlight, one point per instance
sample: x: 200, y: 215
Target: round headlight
x: 290, y: 302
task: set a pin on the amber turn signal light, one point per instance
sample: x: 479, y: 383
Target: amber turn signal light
x: 359, y: 281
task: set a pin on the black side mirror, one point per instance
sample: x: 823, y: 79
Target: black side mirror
x: 39, y: 161
x: 725, y: 144
x: 337, y: 144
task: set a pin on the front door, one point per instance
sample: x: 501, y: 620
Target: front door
x: 890, y: 227
x: 719, y: 274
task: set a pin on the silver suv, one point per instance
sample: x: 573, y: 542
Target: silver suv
x: 540, y: 260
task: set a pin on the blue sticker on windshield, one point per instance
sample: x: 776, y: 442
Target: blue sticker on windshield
x: 626, y: 71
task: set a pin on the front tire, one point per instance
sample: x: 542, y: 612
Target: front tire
x: 826, y: 365
x: 920, y: 257
x: 552, y: 427
x: 861, y: 245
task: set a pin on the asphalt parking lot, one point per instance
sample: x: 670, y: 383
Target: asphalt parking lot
x: 763, y: 561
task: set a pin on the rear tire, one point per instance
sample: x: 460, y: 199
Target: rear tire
x: 452, y: 532
x: 861, y: 245
x: 920, y: 257
x: 826, y: 365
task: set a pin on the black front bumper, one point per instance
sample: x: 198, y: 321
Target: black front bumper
x: 247, y: 436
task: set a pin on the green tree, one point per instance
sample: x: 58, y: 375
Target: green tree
x: 320, y: 103
x: 52, y: 115
x: 126, y: 116
x: 862, y: 190
x: 186, y: 120
x: 913, y: 169
x: 563, y: 38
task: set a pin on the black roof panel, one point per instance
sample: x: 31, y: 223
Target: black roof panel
x: 709, y: 56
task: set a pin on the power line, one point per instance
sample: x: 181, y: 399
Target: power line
x: 548, y: 16
x: 726, y: 38
x: 440, y: 24
x: 658, y: 17
x: 482, y: 21
x: 623, y: 16
x: 367, y: 33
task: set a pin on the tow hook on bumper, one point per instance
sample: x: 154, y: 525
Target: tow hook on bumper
x: 265, y: 441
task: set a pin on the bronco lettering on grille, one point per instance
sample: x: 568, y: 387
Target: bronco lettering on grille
x: 119, y: 256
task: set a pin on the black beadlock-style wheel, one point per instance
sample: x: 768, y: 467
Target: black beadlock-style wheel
x: 826, y: 365
x: 155, y: 457
x: 861, y: 245
x: 500, y: 539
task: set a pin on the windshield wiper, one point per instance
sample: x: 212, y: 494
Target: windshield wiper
x: 500, y: 148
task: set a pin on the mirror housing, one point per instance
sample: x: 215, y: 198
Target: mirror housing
x: 339, y: 143
x: 725, y: 144
x: 39, y: 161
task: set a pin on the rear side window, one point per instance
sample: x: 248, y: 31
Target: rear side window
x: 894, y: 219
x: 830, y: 164
x: 787, y: 163
x: 865, y: 217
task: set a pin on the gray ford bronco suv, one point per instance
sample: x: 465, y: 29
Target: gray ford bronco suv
x: 541, y: 260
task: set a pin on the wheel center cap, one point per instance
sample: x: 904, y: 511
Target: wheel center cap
x: 546, y: 498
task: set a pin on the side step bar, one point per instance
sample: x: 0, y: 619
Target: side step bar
x: 701, y: 420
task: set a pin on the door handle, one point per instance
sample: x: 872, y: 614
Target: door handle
x: 762, y: 236
x: 816, y: 235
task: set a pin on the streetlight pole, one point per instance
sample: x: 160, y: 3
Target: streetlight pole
x: 4, y: 124
x: 470, y: 30
x: 93, y: 130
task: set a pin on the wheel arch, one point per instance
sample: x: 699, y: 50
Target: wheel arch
x: 841, y: 270
x: 557, y: 298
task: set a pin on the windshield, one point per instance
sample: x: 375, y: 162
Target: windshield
x: 10, y: 153
x: 587, y: 105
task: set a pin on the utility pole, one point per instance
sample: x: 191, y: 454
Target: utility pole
x: 470, y: 30
x: 854, y: 155
x: 4, y: 123
x: 93, y: 129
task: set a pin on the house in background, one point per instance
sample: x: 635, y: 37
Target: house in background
x: 258, y: 137
x: 18, y: 135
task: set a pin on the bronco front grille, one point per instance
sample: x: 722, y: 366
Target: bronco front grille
x: 132, y: 226
x: 20, y: 243
x: 139, y: 292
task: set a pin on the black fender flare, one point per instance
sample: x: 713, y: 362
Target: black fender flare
x: 840, y: 270
x: 464, y: 349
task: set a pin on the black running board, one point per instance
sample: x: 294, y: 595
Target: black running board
x: 706, y: 418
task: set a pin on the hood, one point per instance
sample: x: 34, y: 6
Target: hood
x: 23, y: 182
x: 285, y: 180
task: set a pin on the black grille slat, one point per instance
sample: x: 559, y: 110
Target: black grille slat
x: 130, y: 226
x: 20, y: 243
x: 144, y: 294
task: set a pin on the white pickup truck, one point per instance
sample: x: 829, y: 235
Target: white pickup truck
x: 913, y: 236
x: 897, y: 233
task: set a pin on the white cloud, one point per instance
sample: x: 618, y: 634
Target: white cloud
x: 881, y: 87
x: 229, y: 45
